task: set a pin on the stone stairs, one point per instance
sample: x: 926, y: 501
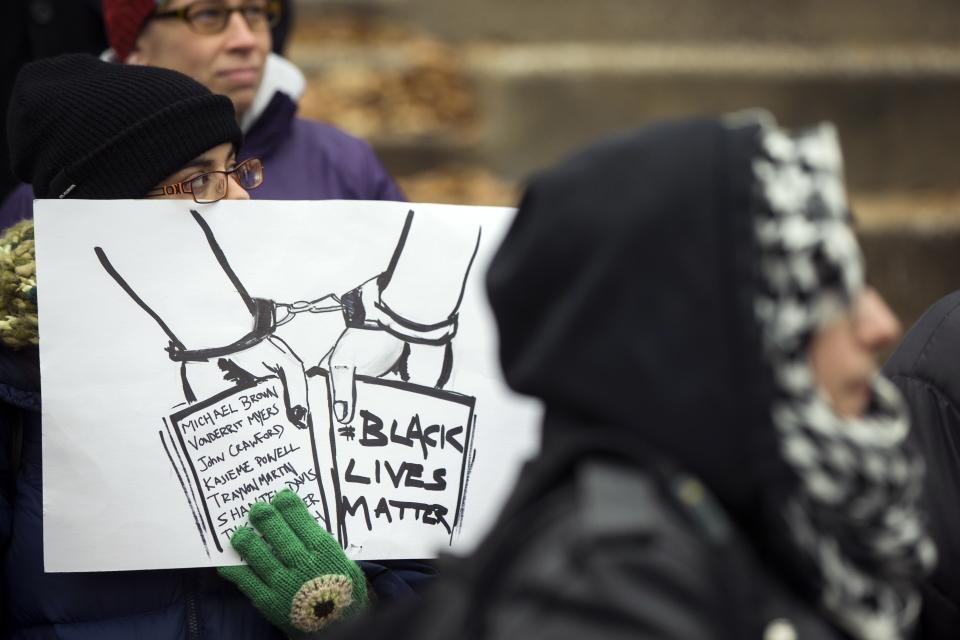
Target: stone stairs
x: 463, y: 99
x: 710, y: 21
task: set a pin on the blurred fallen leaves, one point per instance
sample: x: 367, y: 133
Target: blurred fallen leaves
x: 382, y: 80
x: 459, y: 184
x: 372, y: 78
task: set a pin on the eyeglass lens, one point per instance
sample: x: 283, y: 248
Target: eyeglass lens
x: 212, y: 17
x: 249, y: 173
x: 211, y: 187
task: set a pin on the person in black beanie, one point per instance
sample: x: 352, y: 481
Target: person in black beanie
x: 82, y: 128
x: 122, y: 131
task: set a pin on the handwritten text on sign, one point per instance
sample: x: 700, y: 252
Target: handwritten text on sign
x: 400, y: 462
x: 241, y: 449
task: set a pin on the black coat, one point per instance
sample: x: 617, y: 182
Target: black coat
x: 595, y: 546
x: 926, y: 368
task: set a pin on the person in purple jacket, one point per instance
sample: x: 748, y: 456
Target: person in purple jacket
x: 226, y: 46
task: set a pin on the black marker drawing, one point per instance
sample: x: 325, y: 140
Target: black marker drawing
x: 399, y: 442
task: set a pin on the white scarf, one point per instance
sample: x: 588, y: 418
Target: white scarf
x: 854, y: 514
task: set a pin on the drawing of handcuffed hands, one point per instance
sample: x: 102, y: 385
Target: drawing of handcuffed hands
x: 376, y: 342
x: 271, y: 357
x: 390, y: 326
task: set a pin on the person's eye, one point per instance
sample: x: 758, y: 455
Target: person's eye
x: 201, y: 182
x: 206, y: 14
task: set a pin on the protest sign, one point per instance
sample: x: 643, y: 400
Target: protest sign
x: 198, y: 358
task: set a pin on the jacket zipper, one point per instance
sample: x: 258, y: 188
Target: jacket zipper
x: 193, y: 620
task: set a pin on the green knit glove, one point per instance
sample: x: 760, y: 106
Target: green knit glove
x: 296, y: 574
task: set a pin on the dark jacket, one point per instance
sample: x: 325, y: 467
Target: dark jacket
x: 624, y: 296
x: 152, y: 604
x: 595, y: 546
x: 926, y: 368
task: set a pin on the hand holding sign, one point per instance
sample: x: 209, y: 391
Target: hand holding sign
x: 298, y: 576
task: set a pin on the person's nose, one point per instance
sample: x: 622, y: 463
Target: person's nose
x: 239, y: 34
x: 877, y: 326
x: 235, y: 191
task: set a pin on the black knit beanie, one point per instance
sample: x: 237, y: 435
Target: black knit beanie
x: 82, y: 128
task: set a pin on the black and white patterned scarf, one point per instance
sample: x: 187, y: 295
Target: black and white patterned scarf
x: 854, y: 515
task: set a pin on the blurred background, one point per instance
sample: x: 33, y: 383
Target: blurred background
x: 463, y: 99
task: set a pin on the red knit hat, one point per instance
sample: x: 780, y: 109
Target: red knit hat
x: 124, y: 20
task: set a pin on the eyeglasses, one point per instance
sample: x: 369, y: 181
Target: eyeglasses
x: 212, y: 186
x: 209, y: 18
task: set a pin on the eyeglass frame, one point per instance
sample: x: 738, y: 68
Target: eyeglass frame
x: 181, y: 14
x: 181, y: 188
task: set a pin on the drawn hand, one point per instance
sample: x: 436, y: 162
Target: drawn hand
x: 369, y: 352
x: 296, y: 574
x: 272, y: 357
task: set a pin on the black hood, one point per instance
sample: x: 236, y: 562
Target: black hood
x: 624, y: 296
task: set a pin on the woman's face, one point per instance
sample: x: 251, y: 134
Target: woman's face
x: 219, y: 158
x: 843, y: 353
x: 231, y: 62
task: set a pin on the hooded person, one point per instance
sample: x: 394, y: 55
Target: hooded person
x: 227, y: 48
x: 690, y: 304
x: 83, y: 128
x: 720, y: 458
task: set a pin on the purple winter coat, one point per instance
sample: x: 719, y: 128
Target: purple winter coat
x: 310, y: 160
x: 303, y: 160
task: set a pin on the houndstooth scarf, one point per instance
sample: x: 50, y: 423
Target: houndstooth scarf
x: 854, y: 514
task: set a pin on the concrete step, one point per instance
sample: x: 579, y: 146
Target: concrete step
x: 518, y: 107
x: 809, y: 21
x: 896, y: 107
x: 406, y: 94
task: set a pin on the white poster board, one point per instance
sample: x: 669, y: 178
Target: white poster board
x: 197, y: 358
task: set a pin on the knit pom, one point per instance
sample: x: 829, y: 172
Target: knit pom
x: 18, y: 287
x: 321, y: 601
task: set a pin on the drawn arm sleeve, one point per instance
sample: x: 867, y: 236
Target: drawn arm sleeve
x: 429, y: 271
